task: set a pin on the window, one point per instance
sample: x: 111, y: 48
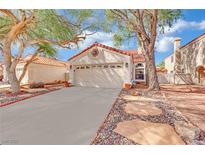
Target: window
x: 139, y: 77
x: 82, y: 67
x: 112, y: 66
x: 119, y: 66
x: 105, y: 66
x: 19, y: 69
x: 78, y: 68
x: 139, y: 74
x: 139, y: 65
x: 87, y: 67
x: 99, y: 66
x: 94, y: 66
x: 126, y: 65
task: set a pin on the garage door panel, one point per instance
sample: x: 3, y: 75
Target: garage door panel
x: 99, y: 77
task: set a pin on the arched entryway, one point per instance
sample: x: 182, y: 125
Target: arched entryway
x: 201, y: 74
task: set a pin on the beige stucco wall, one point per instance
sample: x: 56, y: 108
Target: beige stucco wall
x: 45, y: 73
x: 162, y: 78
x: 168, y: 64
x: 19, y: 70
x: 5, y: 78
x: 193, y: 56
x: 40, y: 73
x: 105, y: 57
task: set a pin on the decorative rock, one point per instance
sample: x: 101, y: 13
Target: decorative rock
x: 135, y: 93
x: 187, y: 131
x: 133, y: 128
x: 137, y: 98
x: 142, y: 108
x: 144, y: 132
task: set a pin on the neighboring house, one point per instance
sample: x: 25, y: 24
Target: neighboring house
x: 103, y: 66
x: 187, y: 63
x: 42, y: 69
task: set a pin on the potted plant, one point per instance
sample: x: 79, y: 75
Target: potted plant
x: 127, y: 86
x: 66, y: 84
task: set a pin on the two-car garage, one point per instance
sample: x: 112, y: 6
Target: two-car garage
x: 100, y: 66
x: 101, y: 75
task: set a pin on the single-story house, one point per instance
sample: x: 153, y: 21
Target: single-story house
x: 186, y: 65
x: 104, y: 66
x: 41, y: 69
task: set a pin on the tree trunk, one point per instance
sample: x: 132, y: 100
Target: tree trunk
x: 153, y: 79
x: 15, y: 85
x: 25, y: 68
x: 11, y: 75
x: 10, y: 71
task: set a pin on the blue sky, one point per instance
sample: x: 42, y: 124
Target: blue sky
x: 191, y: 25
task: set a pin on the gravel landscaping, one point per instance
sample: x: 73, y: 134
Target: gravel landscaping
x: 7, y: 98
x: 188, y: 132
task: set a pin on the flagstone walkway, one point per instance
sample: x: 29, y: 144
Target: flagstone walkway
x: 147, y: 119
x: 191, y: 104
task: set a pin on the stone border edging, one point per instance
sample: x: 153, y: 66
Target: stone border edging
x: 103, y: 122
x: 21, y: 99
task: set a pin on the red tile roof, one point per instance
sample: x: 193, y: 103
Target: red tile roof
x: 137, y: 56
x: 161, y: 70
x: 46, y: 61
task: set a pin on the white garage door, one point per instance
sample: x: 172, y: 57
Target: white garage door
x: 105, y: 76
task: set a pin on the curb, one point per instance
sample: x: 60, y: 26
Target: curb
x: 21, y: 99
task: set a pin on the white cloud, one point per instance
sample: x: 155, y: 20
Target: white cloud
x: 165, y: 41
x: 181, y: 25
x: 202, y: 25
x: 164, y: 44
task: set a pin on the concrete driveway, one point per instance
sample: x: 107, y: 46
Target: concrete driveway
x: 68, y: 116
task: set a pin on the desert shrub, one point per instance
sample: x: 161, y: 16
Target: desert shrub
x: 37, y: 85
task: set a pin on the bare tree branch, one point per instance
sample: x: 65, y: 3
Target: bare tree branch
x: 18, y: 57
x: 28, y: 62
